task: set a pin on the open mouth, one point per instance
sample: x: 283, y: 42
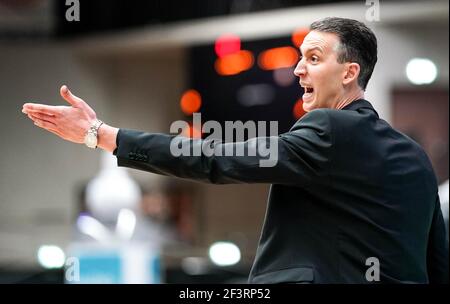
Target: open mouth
x: 308, y: 93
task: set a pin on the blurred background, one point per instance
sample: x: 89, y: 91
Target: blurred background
x: 69, y: 215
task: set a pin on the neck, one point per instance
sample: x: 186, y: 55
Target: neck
x: 349, y: 98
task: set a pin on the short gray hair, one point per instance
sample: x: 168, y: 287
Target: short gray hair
x: 357, y: 44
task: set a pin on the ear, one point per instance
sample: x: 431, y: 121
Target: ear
x: 351, y: 73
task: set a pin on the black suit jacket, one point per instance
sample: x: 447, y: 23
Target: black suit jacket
x: 347, y: 187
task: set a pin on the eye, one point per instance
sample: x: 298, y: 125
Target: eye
x: 314, y: 59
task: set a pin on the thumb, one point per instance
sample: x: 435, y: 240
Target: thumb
x: 69, y: 97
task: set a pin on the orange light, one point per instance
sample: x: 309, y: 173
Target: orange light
x: 298, y: 35
x: 298, y: 109
x: 191, y: 102
x: 277, y: 58
x: 191, y: 132
x: 234, y: 63
x: 227, y: 44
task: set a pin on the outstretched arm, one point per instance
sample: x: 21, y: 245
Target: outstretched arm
x: 296, y: 158
x: 70, y: 122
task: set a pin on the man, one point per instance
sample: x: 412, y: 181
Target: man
x: 352, y: 200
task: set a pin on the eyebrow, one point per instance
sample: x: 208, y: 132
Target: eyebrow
x: 316, y: 48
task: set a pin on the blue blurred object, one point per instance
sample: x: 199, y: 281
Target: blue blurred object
x: 134, y: 263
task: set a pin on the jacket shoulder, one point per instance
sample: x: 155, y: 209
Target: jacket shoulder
x: 317, y: 119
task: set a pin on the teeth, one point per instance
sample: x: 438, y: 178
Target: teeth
x: 308, y: 89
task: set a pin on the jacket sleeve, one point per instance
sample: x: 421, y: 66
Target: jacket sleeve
x: 437, y: 253
x: 296, y: 157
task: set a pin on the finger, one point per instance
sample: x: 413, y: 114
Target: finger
x: 34, y: 118
x: 46, y: 126
x: 41, y: 116
x: 38, y: 112
x: 55, y: 132
x: 45, y: 109
x: 43, y: 123
x: 70, y: 98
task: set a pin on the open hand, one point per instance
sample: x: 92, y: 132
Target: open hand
x: 68, y: 122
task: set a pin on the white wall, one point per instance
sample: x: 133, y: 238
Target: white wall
x: 397, y: 45
x: 38, y: 170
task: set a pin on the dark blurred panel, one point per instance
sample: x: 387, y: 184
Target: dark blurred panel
x: 31, y: 276
x: 26, y: 19
x: 221, y: 95
x: 108, y: 15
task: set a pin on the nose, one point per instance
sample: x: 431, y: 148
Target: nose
x: 299, y: 69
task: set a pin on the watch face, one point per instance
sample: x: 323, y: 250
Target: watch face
x: 90, y: 140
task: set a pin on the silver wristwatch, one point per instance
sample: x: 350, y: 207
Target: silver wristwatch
x: 91, y: 137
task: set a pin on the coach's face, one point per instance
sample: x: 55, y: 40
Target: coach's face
x: 321, y: 75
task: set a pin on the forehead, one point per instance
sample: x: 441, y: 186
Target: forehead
x: 325, y: 42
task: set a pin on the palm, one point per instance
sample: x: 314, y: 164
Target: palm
x: 68, y: 122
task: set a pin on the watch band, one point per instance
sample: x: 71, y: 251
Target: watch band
x: 93, y: 131
x: 95, y: 126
